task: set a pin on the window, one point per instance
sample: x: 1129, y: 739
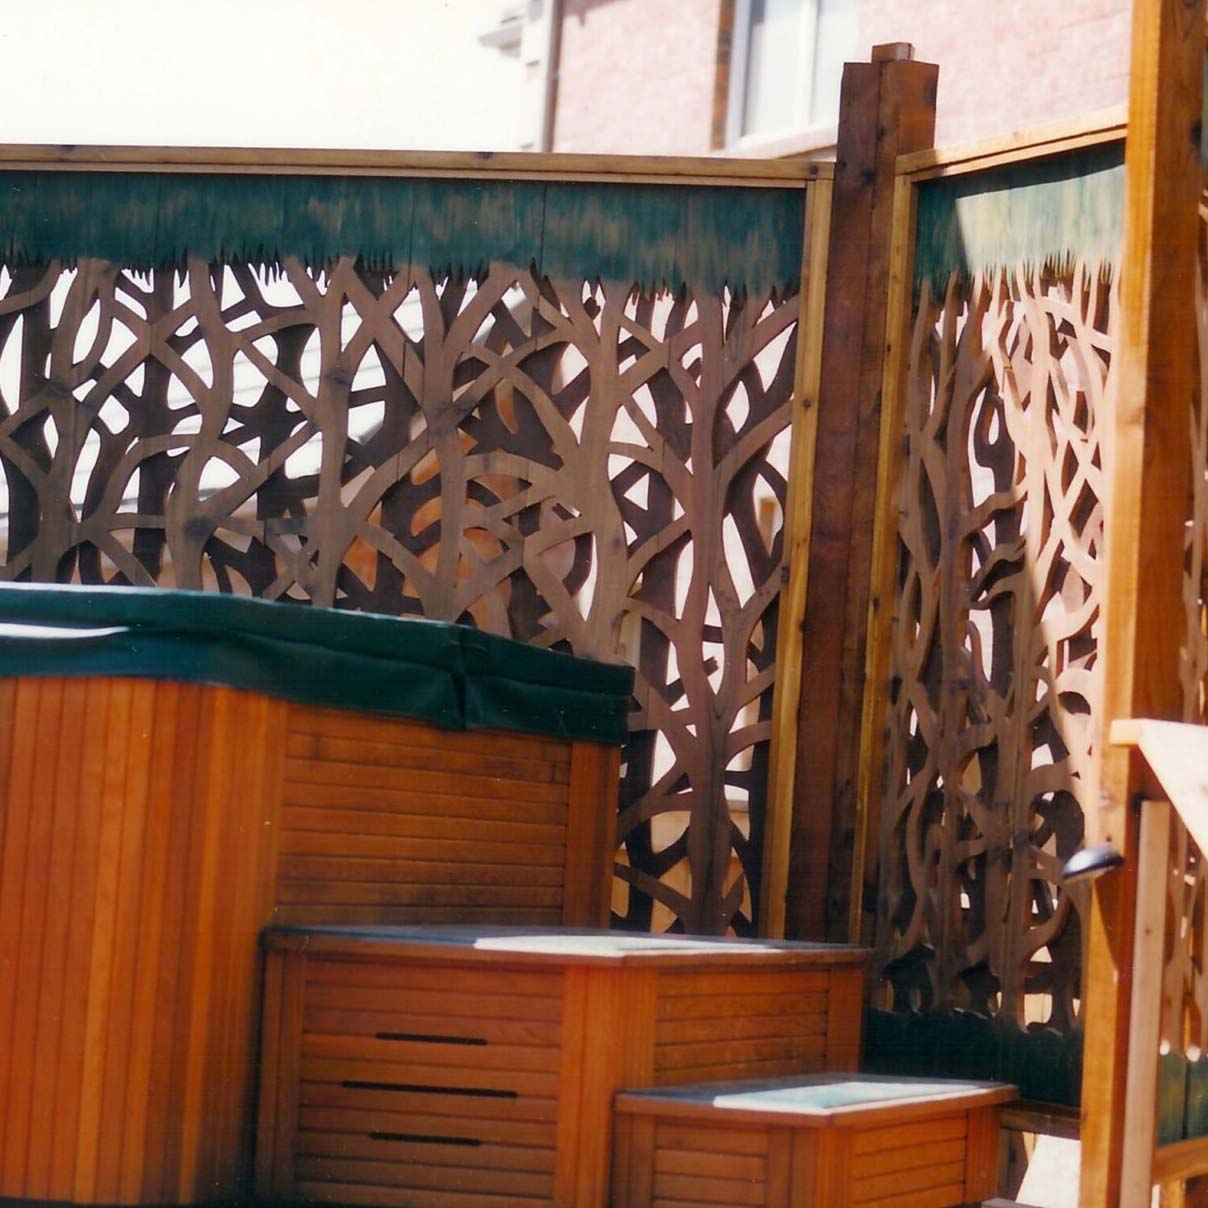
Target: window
x: 787, y: 61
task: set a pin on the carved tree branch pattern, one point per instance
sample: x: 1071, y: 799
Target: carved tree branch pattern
x: 994, y: 644
x: 572, y: 464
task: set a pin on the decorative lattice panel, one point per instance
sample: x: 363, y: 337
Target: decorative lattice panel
x: 992, y: 665
x: 573, y: 464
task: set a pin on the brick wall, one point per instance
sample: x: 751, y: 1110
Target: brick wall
x: 1005, y: 67
x: 639, y: 76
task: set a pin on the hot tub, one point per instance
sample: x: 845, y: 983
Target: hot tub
x: 179, y: 770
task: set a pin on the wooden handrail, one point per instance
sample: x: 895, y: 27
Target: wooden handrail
x: 1177, y: 756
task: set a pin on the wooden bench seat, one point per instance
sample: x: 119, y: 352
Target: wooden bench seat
x: 825, y: 1140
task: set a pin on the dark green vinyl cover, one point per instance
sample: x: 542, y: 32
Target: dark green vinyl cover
x: 449, y: 675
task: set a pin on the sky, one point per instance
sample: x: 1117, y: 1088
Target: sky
x: 389, y: 74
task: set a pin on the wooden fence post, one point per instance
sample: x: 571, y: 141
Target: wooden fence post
x: 886, y: 108
x: 1147, y: 468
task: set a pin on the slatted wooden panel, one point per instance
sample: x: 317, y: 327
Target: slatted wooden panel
x: 452, y: 1084
x: 391, y: 821
x: 669, y: 1155
x: 374, y: 1041
x: 135, y: 857
x: 713, y: 1026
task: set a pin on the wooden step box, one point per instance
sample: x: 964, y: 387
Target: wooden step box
x: 449, y: 1067
x: 828, y: 1141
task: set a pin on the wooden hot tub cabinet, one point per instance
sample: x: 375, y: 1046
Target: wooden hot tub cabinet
x: 151, y: 825
x: 431, y: 1066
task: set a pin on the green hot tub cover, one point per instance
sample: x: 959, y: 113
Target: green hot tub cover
x: 449, y: 675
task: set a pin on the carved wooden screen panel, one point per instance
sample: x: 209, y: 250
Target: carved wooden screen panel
x: 992, y: 664
x: 581, y: 465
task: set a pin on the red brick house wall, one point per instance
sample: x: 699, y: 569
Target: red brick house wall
x: 648, y: 76
x: 637, y: 76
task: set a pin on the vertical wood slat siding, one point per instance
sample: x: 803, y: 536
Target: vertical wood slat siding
x: 128, y: 930
x: 139, y: 841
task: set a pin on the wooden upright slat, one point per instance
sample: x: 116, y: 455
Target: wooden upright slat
x: 119, y: 1083
x: 1147, y: 466
x: 590, y: 834
x: 886, y: 107
x: 798, y: 510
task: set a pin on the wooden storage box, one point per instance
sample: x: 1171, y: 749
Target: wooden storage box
x: 830, y: 1141
x: 441, y: 1066
x: 151, y: 826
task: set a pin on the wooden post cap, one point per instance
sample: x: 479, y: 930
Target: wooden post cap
x: 890, y: 52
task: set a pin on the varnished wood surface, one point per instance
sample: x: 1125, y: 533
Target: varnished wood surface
x: 885, y: 107
x: 137, y: 847
x: 935, y: 1155
x: 403, y: 1060
x: 434, y: 164
x: 1104, y: 126
x: 1148, y: 468
x: 149, y: 830
x: 680, y: 954
x: 385, y: 820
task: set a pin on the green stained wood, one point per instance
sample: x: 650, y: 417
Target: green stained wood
x: 1172, y: 1097
x: 1048, y: 212
x: 1045, y: 1065
x: 653, y: 236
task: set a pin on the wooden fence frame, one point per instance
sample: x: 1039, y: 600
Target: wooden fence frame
x: 814, y: 179
x: 1156, y: 375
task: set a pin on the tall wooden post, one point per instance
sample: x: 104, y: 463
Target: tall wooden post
x: 886, y: 108
x: 1146, y: 506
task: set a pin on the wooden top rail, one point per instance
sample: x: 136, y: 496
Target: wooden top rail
x: 1104, y: 126
x: 1177, y: 757
x: 620, y: 169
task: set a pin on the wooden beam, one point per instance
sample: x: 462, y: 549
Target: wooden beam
x: 1086, y: 130
x: 1145, y: 1012
x: 516, y: 165
x: 789, y: 647
x: 1147, y: 466
x: 1177, y: 755
x: 886, y: 107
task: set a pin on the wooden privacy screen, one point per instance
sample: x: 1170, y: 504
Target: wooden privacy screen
x: 149, y: 830
x: 993, y: 695
x: 558, y: 411
x: 990, y: 658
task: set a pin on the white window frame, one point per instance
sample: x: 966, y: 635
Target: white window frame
x: 800, y: 120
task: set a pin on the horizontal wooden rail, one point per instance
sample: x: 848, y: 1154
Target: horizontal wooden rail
x: 621, y: 169
x: 1107, y: 125
x: 1176, y: 754
x: 1051, y: 1119
x: 1181, y: 1160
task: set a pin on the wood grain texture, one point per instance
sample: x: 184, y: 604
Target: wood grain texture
x: 408, y: 1063
x: 719, y: 170
x: 885, y: 108
x: 1146, y: 514
x: 928, y: 1156
x: 386, y: 820
x: 131, y: 1034
x: 786, y: 701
